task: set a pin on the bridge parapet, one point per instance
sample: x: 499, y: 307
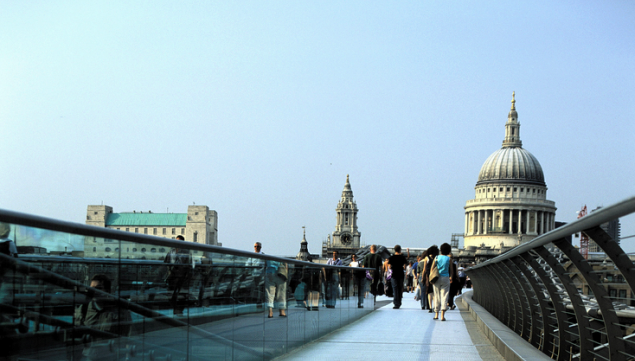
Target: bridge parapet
x: 198, y: 302
x: 566, y: 306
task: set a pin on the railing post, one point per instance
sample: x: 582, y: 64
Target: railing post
x: 509, y: 289
x: 615, y: 253
x: 523, y: 295
x: 558, y: 305
x: 581, y: 314
x: 614, y: 334
x: 542, y: 305
x: 502, y: 313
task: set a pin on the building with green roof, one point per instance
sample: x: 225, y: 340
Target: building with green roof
x: 198, y: 225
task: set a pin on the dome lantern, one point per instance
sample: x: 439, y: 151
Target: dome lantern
x: 512, y: 127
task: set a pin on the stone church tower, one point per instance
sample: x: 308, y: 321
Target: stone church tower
x: 346, y: 238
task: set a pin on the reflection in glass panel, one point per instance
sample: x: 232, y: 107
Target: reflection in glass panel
x: 177, y: 305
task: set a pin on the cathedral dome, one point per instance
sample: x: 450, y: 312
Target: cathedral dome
x: 511, y: 164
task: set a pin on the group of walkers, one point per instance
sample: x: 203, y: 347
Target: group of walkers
x: 436, y: 278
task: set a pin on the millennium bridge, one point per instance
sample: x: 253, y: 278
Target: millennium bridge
x: 540, y: 300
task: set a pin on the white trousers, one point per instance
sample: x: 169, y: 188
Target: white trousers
x: 276, y: 292
x: 441, y: 292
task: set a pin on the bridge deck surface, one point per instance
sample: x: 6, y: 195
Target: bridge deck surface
x: 408, y: 333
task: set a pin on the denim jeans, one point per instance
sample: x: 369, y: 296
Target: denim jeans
x: 424, y: 295
x: 397, y: 290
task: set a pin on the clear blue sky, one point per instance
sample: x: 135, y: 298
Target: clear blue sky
x: 260, y: 109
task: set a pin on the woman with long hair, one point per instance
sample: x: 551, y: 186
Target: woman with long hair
x: 421, y: 266
x: 433, y: 252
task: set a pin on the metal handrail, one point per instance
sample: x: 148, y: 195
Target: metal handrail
x: 29, y: 220
x: 507, y: 285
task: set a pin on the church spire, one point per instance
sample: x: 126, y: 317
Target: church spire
x: 304, y: 254
x: 512, y: 127
x: 347, y: 193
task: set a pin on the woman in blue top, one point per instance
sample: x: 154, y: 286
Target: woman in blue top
x: 442, y: 285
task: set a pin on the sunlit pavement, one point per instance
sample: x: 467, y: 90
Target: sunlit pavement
x: 408, y: 333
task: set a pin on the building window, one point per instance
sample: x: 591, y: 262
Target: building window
x: 136, y: 230
x: 88, y: 218
x: 522, y: 189
x: 182, y: 230
x: 154, y: 231
x: 134, y: 249
x: 143, y: 250
x: 117, y: 228
x: 127, y: 229
x: 108, y: 249
x: 173, y: 230
x: 515, y: 189
x: 508, y: 189
x: 94, y: 249
x: 534, y: 190
x: 164, y: 231
x: 145, y: 231
x: 161, y: 249
x: 487, y: 190
x: 196, y: 213
x: 622, y: 293
x: 195, y: 237
x: 116, y: 249
x: 153, y: 250
x: 501, y: 189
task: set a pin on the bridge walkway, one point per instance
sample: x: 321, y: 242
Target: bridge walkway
x: 408, y: 333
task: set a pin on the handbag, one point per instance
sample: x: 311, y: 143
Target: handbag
x: 369, y: 275
x: 434, y: 273
x: 380, y: 289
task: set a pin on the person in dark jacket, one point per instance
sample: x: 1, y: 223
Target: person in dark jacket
x: 103, y: 315
x: 178, y: 275
x: 398, y: 264
x: 373, y: 261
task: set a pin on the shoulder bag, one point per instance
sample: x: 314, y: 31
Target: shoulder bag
x: 434, y: 272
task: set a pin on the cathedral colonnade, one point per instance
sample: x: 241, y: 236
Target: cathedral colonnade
x: 507, y: 220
